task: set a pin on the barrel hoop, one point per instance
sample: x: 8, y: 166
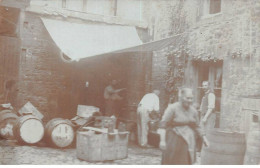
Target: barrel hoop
x: 52, y: 124
x: 8, y: 116
x: 59, y: 124
x: 55, y: 124
x: 28, y: 117
x: 23, y: 120
x: 6, y: 111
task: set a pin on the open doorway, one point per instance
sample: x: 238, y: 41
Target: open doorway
x: 212, y: 72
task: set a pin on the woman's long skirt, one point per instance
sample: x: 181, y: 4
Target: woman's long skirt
x: 176, y: 152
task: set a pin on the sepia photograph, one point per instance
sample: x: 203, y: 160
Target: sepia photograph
x: 130, y: 82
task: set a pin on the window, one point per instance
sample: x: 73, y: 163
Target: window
x: 64, y: 4
x: 130, y: 9
x: 211, y: 7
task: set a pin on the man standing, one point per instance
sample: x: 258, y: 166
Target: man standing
x: 149, y: 104
x: 207, y: 107
x: 111, y: 97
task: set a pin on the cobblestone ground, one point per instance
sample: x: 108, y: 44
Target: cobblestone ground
x: 12, y: 154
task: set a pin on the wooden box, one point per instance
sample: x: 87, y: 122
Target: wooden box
x: 94, y: 144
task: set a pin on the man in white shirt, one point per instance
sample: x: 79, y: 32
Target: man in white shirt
x: 148, y: 104
x: 207, y: 107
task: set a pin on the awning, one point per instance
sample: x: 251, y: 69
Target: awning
x: 150, y: 46
x: 78, y: 40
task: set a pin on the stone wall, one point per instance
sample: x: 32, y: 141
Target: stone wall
x: 9, y: 58
x: 231, y: 36
x: 44, y: 78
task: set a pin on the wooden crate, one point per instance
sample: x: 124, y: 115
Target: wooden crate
x: 94, y: 144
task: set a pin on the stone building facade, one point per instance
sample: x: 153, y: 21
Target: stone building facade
x: 220, y: 42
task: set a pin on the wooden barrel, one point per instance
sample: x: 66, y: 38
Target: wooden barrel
x: 7, y: 121
x: 29, y: 129
x: 252, y: 156
x: 59, y: 132
x: 226, y: 148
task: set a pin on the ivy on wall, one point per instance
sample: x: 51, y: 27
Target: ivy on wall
x: 176, y: 61
x: 176, y: 53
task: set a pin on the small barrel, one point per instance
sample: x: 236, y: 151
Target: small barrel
x: 7, y: 121
x: 59, y: 132
x: 252, y: 156
x: 226, y: 148
x: 29, y: 129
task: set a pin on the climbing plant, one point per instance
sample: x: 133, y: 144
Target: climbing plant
x: 176, y: 53
x: 177, y: 61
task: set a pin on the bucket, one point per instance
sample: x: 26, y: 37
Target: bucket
x: 28, y: 129
x: 226, y: 148
x: 59, y: 132
x: 7, y: 122
x: 153, y: 138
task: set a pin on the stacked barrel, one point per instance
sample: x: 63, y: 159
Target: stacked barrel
x: 7, y: 121
x: 29, y: 129
x: 59, y: 133
x: 25, y: 129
